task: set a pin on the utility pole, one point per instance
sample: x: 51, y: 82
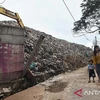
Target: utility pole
x: 95, y: 43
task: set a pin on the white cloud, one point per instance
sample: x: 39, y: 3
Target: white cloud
x: 50, y: 16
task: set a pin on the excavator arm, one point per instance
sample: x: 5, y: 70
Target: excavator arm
x: 12, y: 15
x: 16, y: 16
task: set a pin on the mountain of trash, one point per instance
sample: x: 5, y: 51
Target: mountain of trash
x: 55, y: 55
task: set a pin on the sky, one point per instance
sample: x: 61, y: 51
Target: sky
x: 51, y: 17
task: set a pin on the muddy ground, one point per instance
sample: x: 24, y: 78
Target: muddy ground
x: 62, y: 87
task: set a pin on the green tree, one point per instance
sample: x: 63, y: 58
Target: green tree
x: 90, y: 20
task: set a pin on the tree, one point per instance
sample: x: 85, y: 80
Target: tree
x: 90, y: 20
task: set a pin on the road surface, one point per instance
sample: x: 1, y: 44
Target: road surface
x: 62, y: 87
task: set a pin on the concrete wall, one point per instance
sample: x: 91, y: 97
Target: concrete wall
x: 11, y: 52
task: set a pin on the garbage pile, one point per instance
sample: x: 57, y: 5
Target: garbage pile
x: 55, y: 55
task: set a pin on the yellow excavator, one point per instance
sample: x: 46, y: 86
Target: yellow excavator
x: 26, y: 72
x: 16, y: 16
x: 12, y: 15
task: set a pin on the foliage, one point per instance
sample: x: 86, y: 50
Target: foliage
x: 90, y: 20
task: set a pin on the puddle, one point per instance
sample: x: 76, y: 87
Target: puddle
x: 57, y: 87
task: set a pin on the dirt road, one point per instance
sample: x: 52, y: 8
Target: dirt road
x: 62, y: 87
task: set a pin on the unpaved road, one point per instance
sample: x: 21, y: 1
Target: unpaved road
x: 62, y: 87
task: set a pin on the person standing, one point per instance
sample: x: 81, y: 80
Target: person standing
x: 96, y: 60
x: 91, y: 71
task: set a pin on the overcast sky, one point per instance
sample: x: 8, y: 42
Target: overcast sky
x: 49, y: 16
